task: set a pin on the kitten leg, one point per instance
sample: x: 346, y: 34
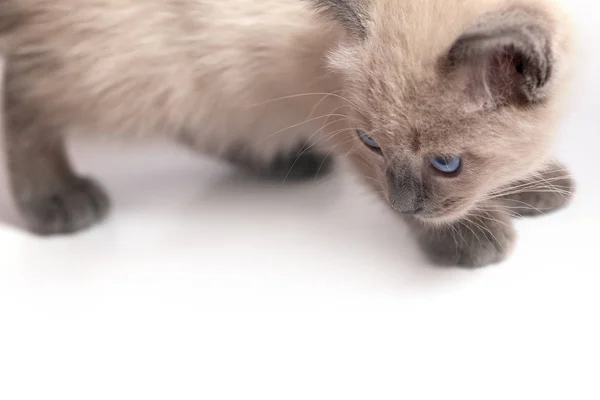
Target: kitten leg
x: 300, y: 163
x: 549, y: 190
x: 485, y: 236
x: 50, y: 196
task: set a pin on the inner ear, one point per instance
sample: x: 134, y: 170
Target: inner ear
x: 506, y: 58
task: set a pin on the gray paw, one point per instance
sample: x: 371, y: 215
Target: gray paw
x: 71, y: 209
x: 548, y: 191
x: 477, y: 241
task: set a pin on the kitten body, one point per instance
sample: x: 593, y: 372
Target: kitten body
x: 252, y: 81
x: 211, y: 70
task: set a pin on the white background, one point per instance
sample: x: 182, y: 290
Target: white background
x: 205, y: 285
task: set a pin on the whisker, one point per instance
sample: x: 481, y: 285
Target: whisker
x: 533, y: 181
x: 466, y: 225
x: 525, y: 205
x: 531, y: 186
x: 325, y: 95
x: 299, y: 124
x: 305, y: 150
x: 556, y: 191
x: 460, y: 235
x: 481, y: 226
x: 325, y: 159
x: 327, y: 138
x: 491, y: 218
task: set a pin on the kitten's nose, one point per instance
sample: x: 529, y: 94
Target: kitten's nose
x: 405, y: 202
x: 404, y: 192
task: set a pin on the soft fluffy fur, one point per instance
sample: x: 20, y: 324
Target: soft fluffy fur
x: 254, y: 81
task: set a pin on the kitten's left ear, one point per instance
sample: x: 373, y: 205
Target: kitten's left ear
x: 505, y: 57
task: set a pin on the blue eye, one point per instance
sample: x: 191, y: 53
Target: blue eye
x: 446, y: 164
x: 368, y: 140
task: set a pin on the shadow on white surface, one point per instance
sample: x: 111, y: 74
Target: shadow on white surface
x: 197, y: 213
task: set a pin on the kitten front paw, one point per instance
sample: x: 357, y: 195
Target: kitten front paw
x: 481, y: 239
x: 73, y: 208
x: 549, y: 190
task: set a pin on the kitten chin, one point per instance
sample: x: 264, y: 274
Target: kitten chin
x: 253, y: 82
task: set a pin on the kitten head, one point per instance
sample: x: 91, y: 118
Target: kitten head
x: 451, y: 99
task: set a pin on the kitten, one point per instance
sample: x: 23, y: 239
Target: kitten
x: 447, y: 107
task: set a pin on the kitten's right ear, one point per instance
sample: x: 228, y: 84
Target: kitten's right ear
x: 506, y: 58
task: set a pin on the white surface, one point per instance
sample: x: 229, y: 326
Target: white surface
x: 204, y: 285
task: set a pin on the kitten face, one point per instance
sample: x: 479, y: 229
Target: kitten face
x: 445, y: 131
x: 489, y: 148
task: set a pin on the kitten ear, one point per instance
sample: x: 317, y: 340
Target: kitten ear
x: 349, y: 13
x: 506, y: 58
